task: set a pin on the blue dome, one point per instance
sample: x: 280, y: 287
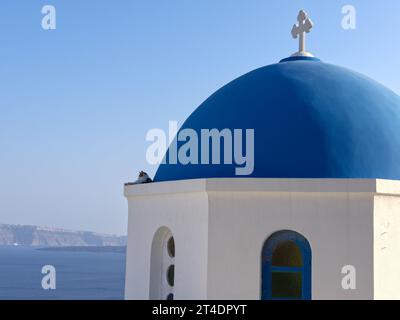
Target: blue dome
x: 310, y: 119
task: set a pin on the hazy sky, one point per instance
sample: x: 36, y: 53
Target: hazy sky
x: 76, y: 102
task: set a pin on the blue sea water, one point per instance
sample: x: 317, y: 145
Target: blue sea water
x: 79, y: 275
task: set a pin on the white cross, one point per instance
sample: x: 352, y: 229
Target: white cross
x: 304, y: 26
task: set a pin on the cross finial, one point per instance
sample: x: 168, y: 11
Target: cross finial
x: 304, y: 26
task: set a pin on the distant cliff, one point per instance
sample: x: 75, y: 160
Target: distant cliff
x: 41, y: 236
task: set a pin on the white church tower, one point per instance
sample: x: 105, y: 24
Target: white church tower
x: 314, y: 212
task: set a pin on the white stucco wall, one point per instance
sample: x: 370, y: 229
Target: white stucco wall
x: 185, y: 214
x: 220, y: 226
x: 387, y: 240
x: 338, y: 226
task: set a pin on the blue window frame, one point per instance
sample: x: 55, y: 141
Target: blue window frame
x: 286, y: 267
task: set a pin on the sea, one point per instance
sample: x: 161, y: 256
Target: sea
x: 79, y: 275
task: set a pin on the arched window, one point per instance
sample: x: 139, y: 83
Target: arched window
x: 162, y: 266
x: 286, y: 267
